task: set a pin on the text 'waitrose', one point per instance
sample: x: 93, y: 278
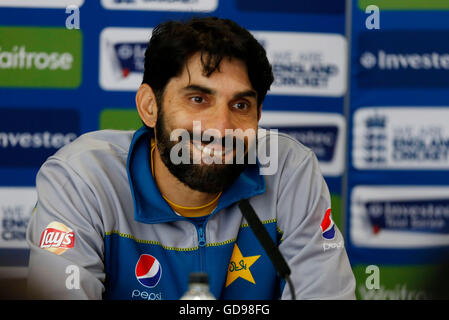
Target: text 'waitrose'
x: 19, y: 58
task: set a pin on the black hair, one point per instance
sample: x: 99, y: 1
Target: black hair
x: 173, y: 42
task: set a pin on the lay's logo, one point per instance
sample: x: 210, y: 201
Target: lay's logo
x: 57, y: 238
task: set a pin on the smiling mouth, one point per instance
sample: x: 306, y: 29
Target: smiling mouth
x: 214, y: 150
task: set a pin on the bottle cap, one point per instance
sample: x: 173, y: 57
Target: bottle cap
x: 198, y: 277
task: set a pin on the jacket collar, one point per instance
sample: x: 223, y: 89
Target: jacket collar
x: 150, y: 206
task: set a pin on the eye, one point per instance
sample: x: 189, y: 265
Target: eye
x: 197, y: 99
x: 241, y: 105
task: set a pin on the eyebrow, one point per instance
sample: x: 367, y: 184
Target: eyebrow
x: 194, y: 87
x: 205, y: 90
x: 247, y: 93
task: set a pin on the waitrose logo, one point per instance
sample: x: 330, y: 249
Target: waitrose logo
x: 20, y: 58
x: 40, y: 57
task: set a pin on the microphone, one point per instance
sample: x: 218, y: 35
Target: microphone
x: 267, y: 243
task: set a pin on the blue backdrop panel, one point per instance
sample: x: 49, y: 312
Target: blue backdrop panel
x: 398, y: 159
x: 56, y: 115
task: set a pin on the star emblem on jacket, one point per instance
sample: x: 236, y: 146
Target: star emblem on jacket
x: 239, y: 267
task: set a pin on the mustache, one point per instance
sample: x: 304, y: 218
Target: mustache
x: 224, y: 142
x: 209, y: 146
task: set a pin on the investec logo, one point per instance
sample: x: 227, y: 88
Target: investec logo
x: 403, y: 59
x: 40, y: 57
x: 324, y: 133
x: 399, y: 61
x: 399, y: 216
x: 29, y: 141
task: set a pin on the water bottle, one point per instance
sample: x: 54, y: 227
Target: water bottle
x: 198, y: 287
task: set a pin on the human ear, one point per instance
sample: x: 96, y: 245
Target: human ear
x: 146, y: 105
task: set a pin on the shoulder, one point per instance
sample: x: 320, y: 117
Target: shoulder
x: 107, y: 143
x: 94, y: 157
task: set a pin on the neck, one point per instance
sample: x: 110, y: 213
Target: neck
x: 174, y: 190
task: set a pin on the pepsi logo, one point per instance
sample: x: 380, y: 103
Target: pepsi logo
x: 328, y: 226
x: 148, y: 271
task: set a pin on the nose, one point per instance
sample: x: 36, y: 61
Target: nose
x: 221, y: 119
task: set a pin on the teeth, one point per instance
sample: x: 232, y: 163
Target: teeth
x: 212, y: 152
x: 209, y: 151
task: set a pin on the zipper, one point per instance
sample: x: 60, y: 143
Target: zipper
x: 202, y: 245
x: 201, y: 237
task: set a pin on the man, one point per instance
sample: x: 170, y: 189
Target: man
x: 128, y: 215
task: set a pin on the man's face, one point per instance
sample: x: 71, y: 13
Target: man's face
x: 224, y: 107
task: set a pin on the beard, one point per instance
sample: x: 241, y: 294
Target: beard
x: 209, y: 178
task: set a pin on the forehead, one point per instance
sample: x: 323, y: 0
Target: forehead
x: 232, y: 74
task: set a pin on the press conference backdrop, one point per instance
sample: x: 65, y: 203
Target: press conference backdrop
x: 397, y: 178
x: 369, y: 102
